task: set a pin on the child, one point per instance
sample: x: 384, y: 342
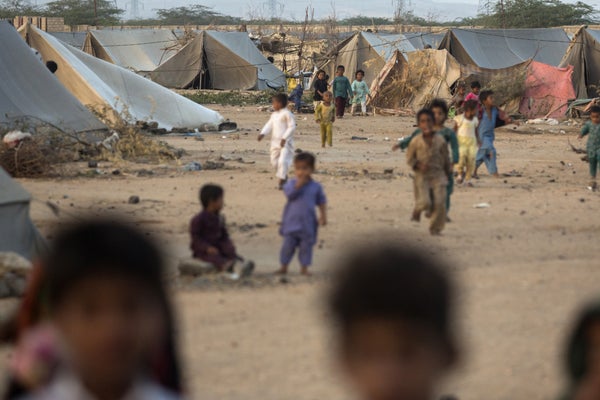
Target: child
x: 325, y: 116
x: 440, y: 115
x: 592, y: 128
x: 300, y: 224
x: 210, y: 240
x: 393, y: 312
x: 458, y: 100
x: 321, y: 86
x: 342, y: 91
x: 281, y: 127
x: 583, y: 356
x: 487, y: 124
x: 475, y: 89
x: 103, y: 296
x: 361, y: 92
x: 428, y: 156
x: 296, y: 96
x: 468, y: 139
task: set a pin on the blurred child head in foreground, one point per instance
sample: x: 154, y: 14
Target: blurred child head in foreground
x: 102, y: 293
x: 393, y: 308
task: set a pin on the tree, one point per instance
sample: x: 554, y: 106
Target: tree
x: 195, y: 14
x: 12, y: 8
x: 536, y: 14
x: 83, y: 12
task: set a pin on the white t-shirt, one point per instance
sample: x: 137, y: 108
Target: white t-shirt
x: 466, y: 128
x: 281, y: 125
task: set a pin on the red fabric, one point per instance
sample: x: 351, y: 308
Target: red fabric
x: 547, y: 91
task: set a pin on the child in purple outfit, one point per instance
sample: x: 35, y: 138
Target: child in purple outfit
x: 300, y: 224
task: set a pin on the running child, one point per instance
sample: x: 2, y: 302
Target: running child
x: 99, y: 316
x: 342, y: 91
x: 393, y: 309
x: 429, y: 158
x: 281, y: 127
x: 325, y: 117
x: 468, y: 140
x: 488, y: 120
x: 299, y: 224
x: 592, y: 128
x: 361, y: 92
x: 210, y: 241
x: 321, y: 86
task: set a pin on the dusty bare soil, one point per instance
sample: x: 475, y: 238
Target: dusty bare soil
x: 524, y: 265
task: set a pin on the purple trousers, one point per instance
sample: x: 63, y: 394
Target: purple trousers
x: 293, y: 242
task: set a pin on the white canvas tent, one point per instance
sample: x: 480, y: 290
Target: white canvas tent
x: 30, y: 95
x: 119, y: 93
x: 17, y: 233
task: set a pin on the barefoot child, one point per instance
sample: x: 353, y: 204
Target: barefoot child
x: 468, y: 139
x: 592, y: 128
x: 281, y: 127
x: 342, y: 91
x: 210, y: 240
x: 325, y: 117
x: 488, y: 120
x: 429, y: 158
x: 393, y: 310
x: 102, y: 293
x: 440, y: 113
x: 361, y: 92
x: 299, y: 224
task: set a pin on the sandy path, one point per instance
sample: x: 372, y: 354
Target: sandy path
x: 524, y: 264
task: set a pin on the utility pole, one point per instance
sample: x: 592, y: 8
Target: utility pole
x: 96, y: 12
x: 503, y: 15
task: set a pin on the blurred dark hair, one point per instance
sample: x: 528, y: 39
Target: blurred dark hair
x: 594, y: 109
x: 470, y: 105
x: 439, y: 103
x: 360, y: 71
x: 306, y: 157
x: 210, y: 193
x: 390, y: 282
x: 475, y: 85
x: 281, y: 98
x: 483, y: 96
x: 424, y: 111
x: 340, y: 67
x: 577, y: 348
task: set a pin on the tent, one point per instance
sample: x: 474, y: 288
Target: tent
x: 584, y: 56
x: 75, y: 39
x: 220, y: 60
x: 118, y: 93
x: 413, y: 83
x: 140, y: 50
x: 367, y: 51
x: 31, y: 96
x: 211, y: 59
x: 17, y: 232
x: 420, y: 40
x: 548, y: 91
x: 501, y: 48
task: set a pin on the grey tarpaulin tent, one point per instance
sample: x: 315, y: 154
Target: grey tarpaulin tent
x: 17, y: 232
x: 31, y: 95
x: 367, y: 51
x: 421, y: 39
x: 117, y: 92
x: 584, y: 56
x: 501, y: 48
x: 75, y: 39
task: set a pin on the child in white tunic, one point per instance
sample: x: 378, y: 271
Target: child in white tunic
x: 281, y: 127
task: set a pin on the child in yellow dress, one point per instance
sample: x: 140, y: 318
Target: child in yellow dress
x: 325, y: 117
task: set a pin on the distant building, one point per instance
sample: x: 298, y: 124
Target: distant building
x: 48, y: 24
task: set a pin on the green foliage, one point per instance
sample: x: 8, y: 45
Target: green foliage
x: 12, y: 8
x: 536, y: 14
x: 81, y: 12
x: 195, y: 14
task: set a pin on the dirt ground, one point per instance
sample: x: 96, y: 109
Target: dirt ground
x: 524, y: 265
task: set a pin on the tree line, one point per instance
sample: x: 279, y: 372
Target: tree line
x: 501, y: 14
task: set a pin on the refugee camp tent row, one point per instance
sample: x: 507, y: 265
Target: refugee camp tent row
x: 17, y: 233
x: 501, y: 48
x: 30, y: 95
x: 584, y: 55
x: 367, y: 51
x: 209, y: 59
x: 117, y: 93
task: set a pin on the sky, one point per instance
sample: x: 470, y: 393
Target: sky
x: 442, y: 10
